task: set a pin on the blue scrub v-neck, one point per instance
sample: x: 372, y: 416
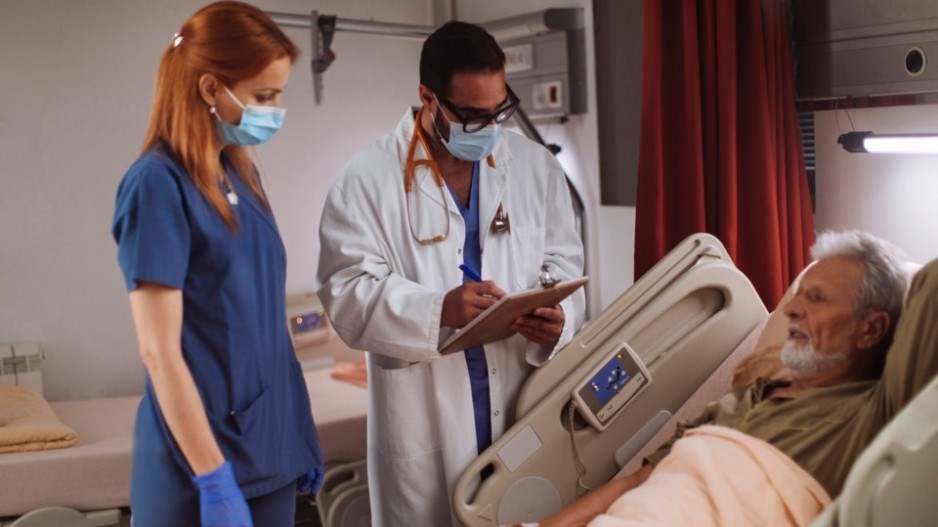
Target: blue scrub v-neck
x: 475, y: 357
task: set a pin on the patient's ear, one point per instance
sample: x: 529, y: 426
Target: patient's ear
x: 872, y: 329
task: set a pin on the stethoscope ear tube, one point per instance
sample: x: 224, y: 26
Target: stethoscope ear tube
x: 410, y: 166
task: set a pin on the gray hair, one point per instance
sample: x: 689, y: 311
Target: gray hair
x: 883, y: 285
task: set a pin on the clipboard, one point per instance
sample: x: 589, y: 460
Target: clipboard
x: 494, y: 323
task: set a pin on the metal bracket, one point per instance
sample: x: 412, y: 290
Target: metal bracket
x: 323, y: 29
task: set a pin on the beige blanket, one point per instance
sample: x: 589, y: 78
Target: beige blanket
x: 718, y: 476
x: 28, y: 423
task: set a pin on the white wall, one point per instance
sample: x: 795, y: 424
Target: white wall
x: 75, y: 94
x: 894, y: 196
x: 613, y: 235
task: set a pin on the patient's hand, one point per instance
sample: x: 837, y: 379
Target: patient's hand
x: 583, y: 510
x: 542, y: 326
x: 464, y: 303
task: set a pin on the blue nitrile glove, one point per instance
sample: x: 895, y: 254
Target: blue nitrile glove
x: 311, y: 481
x: 220, y: 499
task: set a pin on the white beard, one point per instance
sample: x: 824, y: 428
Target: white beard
x: 803, y: 361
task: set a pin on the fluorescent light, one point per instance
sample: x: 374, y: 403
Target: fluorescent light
x: 889, y: 143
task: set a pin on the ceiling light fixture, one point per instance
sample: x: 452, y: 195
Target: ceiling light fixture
x: 889, y: 143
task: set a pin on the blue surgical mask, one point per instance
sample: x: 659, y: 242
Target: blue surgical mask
x: 258, y: 124
x: 471, y: 147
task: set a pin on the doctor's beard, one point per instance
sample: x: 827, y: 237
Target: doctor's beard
x: 803, y: 361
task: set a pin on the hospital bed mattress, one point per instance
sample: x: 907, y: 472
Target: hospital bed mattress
x: 340, y: 409
x: 94, y: 473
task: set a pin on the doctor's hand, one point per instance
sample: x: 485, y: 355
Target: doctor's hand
x: 464, y: 303
x: 543, y: 326
x: 220, y: 499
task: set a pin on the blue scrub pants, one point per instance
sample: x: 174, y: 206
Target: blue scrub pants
x: 163, y: 495
x: 277, y: 509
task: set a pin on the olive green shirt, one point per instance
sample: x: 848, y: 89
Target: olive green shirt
x: 825, y: 429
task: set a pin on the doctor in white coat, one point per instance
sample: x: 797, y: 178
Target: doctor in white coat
x: 447, y: 187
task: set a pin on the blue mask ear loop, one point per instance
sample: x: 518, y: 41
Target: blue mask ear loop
x: 214, y: 111
x: 235, y: 99
x: 433, y: 120
x: 231, y: 194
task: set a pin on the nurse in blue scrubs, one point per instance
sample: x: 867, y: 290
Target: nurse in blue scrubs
x: 224, y: 435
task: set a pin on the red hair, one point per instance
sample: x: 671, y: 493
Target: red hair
x: 233, y: 41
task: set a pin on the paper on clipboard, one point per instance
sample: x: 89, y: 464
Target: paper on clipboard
x: 494, y: 323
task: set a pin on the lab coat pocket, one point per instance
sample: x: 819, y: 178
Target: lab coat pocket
x: 405, y: 417
x: 527, y: 255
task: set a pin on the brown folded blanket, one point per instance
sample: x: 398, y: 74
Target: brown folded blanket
x: 27, y: 422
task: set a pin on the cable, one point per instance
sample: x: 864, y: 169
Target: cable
x: 582, y: 488
x: 837, y: 115
x: 852, y: 128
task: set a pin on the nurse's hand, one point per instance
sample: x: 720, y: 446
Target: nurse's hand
x: 311, y: 481
x: 220, y: 499
x: 464, y: 303
x: 543, y: 326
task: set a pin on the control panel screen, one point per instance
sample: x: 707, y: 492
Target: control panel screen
x: 609, y: 381
x: 611, y: 386
x: 308, y: 322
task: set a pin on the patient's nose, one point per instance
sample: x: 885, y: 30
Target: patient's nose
x: 793, y: 308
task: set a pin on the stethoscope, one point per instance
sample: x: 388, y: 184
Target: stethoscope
x: 500, y: 223
x: 409, y: 168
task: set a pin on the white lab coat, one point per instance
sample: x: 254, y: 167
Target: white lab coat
x: 384, y: 292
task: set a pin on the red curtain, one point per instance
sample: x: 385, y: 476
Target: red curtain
x: 720, y: 145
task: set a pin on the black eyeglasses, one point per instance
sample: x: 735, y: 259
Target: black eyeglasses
x: 476, y: 121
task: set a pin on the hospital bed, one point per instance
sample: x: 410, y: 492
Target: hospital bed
x: 657, y: 356
x: 87, y: 485
x: 621, y: 380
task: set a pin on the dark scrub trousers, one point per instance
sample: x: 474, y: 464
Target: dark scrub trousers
x: 234, y: 341
x: 475, y: 357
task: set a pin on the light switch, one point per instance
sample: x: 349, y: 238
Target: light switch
x: 547, y: 95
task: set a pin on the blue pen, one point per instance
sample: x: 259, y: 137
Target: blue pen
x: 470, y: 273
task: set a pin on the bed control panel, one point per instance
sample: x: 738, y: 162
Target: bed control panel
x: 307, y: 320
x: 611, y: 386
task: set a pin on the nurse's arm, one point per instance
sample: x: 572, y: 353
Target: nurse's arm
x: 157, y: 313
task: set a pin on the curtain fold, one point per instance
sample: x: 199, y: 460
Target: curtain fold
x: 720, y: 146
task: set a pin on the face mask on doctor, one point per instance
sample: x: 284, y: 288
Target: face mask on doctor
x: 258, y: 124
x: 467, y: 146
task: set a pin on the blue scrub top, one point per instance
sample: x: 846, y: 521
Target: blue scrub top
x: 234, y: 334
x: 475, y: 357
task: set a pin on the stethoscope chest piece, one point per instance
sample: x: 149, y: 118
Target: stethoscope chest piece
x: 501, y: 223
x: 547, y: 281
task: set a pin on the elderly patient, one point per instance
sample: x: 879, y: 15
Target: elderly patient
x: 853, y: 368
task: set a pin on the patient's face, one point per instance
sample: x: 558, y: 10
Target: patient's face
x: 822, y: 313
